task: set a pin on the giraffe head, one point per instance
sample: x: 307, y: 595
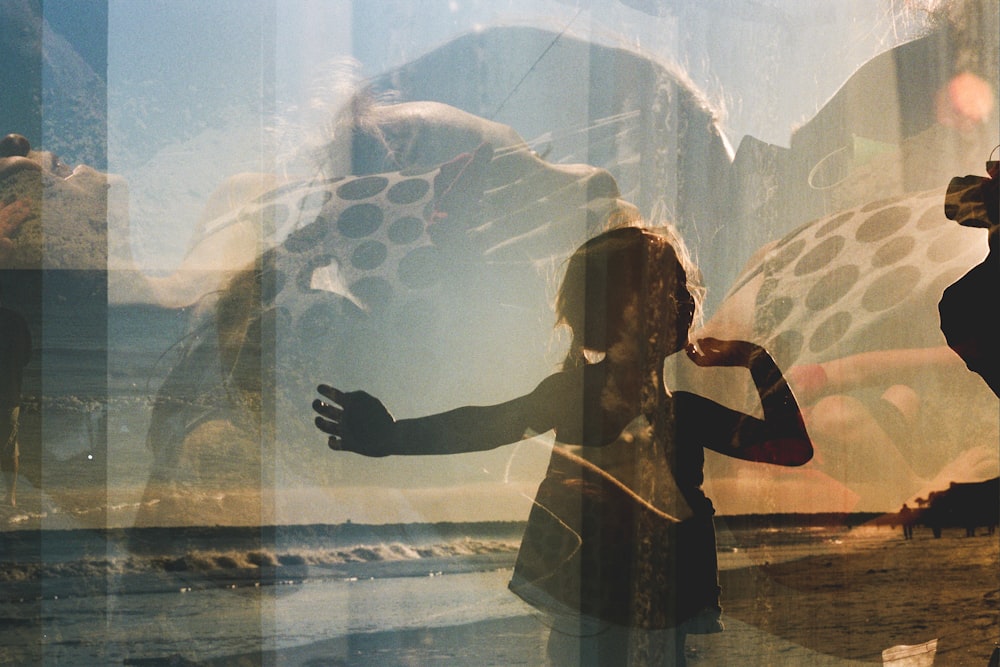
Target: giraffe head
x: 847, y: 304
x: 442, y: 268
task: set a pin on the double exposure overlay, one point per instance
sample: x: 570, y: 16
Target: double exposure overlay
x: 530, y: 332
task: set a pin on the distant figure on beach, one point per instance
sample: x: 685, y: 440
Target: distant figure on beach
x: 619, y: 549
x: 15, y: 351
x: 907, y: 519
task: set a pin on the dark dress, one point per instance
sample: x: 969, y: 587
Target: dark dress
x: 621, y: 532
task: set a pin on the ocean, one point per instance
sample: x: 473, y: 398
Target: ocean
x: 91, y: 597
x: 203, y: 595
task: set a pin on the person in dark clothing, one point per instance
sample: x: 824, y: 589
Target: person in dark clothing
x: 619, y: 550
x: 15, y: 351
x: 907, y: 519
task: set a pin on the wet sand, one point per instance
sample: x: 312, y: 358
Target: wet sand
x: 853, y: 606
x: 822, y: 610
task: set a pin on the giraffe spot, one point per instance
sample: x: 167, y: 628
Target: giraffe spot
x: 770, y: 316
x: 766, y: 289
x: 882, y: 224
x: 421, y: 267
x: 406, y: 230
x: 308, y: 237
x: 786, y: 347
x: 820, y: 256
x: 369, y: 255
x: 316, y: 199
x: 890, y: 288
x: 931, y: 218
x: 359, y: 220
x: 832, y: 287
x: 834, y: 223
x: 831, y: 330
x: 409, y: 191
x: 362, y: 188
x: 374, y: 293
x: 785, y: 256
x: 893, y: 250
x: 944, y: 248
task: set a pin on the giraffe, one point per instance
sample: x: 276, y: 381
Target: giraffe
x: 847, y: 304
x: 846, y: 250
x: 413, y: 264
x: 694, y: 157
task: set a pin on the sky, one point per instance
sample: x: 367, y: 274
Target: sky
x: 227, y: 86
x: 200, y: 91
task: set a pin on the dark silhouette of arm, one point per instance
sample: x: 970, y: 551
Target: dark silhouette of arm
x: 358, y: 422
x: 779, y: 438
x: 567, y: 402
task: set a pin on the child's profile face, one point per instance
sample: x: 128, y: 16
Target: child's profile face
x: 624, y: 329
x: 684, y: 309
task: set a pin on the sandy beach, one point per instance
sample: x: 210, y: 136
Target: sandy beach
x: 830, y: 609
x: 851, y: 607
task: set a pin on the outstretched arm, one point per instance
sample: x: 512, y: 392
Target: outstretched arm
x: 358, y: 422
x: 780, y: 437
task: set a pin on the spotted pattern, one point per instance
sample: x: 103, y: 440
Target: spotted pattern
x: 874, y: 261
x: 376, y: 272
x: 363, y: 238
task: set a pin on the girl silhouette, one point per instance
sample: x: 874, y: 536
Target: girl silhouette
x: 619, y: 549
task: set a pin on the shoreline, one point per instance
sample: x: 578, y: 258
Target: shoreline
x: 827, y: 610
x: 30, y: 519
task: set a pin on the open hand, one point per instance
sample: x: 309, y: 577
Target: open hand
x: 355, y: 421
x: 715, y: 352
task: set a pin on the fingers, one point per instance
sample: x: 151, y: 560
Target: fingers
x: 331, y: 428
x: 696, y: 354
x: 331, y: 412
x: 355, y: 421
x: 716, y: 352
x: 711, y: 344
x: 327, y: 426
x: 330, y: 415
x: 332, y: 393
